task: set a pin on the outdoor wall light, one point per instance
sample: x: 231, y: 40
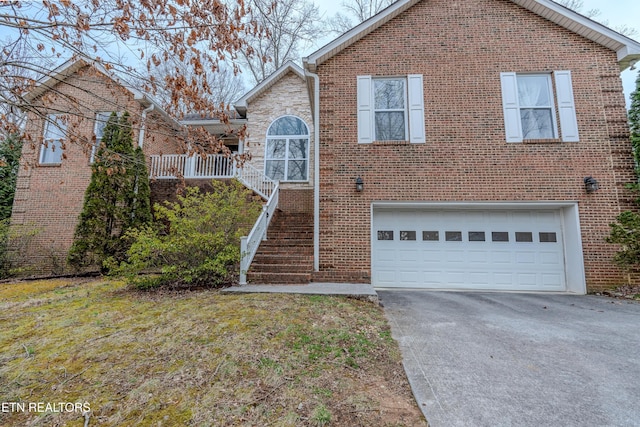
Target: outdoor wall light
x: 590, y: 184
x: 359, y: 184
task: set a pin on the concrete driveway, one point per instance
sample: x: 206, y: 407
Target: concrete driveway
x: 501, y: 359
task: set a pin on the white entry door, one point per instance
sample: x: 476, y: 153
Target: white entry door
x: 487, y: 249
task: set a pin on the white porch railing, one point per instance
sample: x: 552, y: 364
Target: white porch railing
x: 249, y: 244
x: 170, y: 166
x: 256, y: 180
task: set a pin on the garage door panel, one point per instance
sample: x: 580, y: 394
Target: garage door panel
x: 551, y: 280
x: 525, y: 280
x: 409, y: 277
x: 481, y: 257
x: 431, y: 256
x: 472, y: 249
x: 503, y: 280
x: 409, y: 256
x: 479, y: 278
x: 500, y: 257
x: 455, y: 277
x: 525, y: 257
x: 550, y: 258
x: 454, y: 257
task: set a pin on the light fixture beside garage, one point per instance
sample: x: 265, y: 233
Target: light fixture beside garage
x: 591, y: 185
x: 359, y: 184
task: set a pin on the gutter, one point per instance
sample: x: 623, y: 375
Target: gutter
x: 316, y: 169
x: 143, y: 125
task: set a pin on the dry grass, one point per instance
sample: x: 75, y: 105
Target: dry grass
x: 198, y: 358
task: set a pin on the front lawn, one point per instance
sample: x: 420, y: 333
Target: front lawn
x: 195, y: 358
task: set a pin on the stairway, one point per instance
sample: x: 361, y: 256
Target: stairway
x: 286, y: 257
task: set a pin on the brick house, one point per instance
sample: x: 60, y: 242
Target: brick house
x: 472, y: 125
x: 454, y: 143
x: 54, y: 173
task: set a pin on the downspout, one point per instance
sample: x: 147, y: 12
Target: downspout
x: 316, y: 169
x: 143, y: 125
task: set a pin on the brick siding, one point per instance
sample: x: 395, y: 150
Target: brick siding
x: 49, y: 198
x: 460, y: 48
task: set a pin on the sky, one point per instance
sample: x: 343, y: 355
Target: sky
x: 616, y: 12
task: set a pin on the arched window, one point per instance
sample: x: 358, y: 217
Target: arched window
x: 287, y: 150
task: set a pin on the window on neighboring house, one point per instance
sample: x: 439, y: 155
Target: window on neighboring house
x: 55, y: 129
x: 390, y: 109
x: 530, y: 106
x: 287, y: 150
x: 101, y: 122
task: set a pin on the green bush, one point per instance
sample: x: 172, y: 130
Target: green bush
x: 626, y: 233
x: 13, y: 242
x: 10, y: 150
x: 4, y: 248
x: 195, y: 241
x: 626, y: 230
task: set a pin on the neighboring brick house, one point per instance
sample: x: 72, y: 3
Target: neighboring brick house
x: 472, y: 125
x: 51, y: 180
x: 454, y: 143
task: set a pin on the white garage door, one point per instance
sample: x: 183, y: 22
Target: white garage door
x: 468, y: 249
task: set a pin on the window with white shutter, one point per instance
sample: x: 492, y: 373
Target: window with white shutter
x: 530, y: 109
x: 390, y: 109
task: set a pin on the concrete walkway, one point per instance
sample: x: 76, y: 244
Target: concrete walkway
x: 363, y: 291
x: 504, y: 359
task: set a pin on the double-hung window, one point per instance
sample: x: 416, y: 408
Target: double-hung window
x: 101, y: 121
x: 55, y: 130
x: 390, y: 109
x: 389, y: 104
x: 530, y: 106
x: 287, y: 150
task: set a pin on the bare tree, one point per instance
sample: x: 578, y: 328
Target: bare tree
x: 292, y: 26
x: 130, y: 39
x: 578, y: 5
x: 356, y: 11
x: 221, y: 88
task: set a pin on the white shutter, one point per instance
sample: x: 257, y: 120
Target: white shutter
x: 566, y: 106
x: 416, y: 109
x: 365, y: 110
x: 512, y: 123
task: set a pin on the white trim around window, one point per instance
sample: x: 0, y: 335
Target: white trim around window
x: 55, y: 130
x: 102, y: 117
x: 390, y: 109
x: 530, y: 108
x: 287, y: 150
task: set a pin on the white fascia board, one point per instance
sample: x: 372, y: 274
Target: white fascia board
x: 69, y: 67
x: 241, y: 104
x: 356, y: 33
x: 626, y: 48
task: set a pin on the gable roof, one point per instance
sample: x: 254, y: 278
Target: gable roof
x: 72, y: 66
x: 289, y: 66
x: 628, y: 50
